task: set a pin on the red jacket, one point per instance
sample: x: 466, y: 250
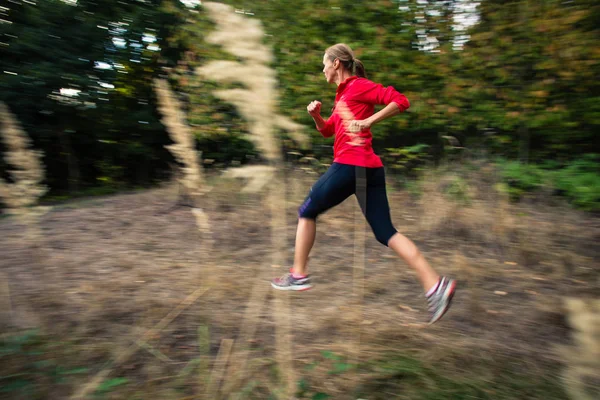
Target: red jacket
x: 355, y: 99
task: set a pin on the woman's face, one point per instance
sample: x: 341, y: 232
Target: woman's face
x: 329, y: 69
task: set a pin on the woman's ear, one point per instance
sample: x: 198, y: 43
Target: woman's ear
x: 336, y: 63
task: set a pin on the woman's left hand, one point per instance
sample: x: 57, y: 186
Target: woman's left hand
x: 356, y: 126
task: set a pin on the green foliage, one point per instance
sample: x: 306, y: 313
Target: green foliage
x: 525, y: 86
x: 305, y: 392
x: 523, y: 73
x: 29, y: 361
x: 410, y: 378
x: 520, y: 178
x: 335, y: 364
x: 407, y: 160
x: 458, y: 190
x: 227, y: 150
x: 407, y: 377
x: 414, y: 187
x: 110, y: 385
x: 100, y: 51
x: 578, y: 181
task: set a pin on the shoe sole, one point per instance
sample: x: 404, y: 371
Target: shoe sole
x: 296, y: 288
x: 449, y: 297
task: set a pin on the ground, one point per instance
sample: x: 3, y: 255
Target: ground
x: 79, y: 302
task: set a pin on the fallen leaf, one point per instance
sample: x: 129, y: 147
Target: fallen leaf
x: 407, y: 308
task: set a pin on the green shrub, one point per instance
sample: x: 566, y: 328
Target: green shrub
x: 578, y: 181
x: 520, y: 178
x: 407, y: 160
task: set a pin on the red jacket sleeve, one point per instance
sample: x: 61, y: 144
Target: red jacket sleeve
x: 376, y: 93
x: 329, y: 128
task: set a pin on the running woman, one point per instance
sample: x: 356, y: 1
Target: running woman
x: 355, y: 162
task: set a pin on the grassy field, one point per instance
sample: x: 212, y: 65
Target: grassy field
x: 123, y: 297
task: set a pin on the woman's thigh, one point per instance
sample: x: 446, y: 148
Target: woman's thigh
x: 335, y: 186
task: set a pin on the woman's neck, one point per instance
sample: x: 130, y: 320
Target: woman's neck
x: 342, y: 75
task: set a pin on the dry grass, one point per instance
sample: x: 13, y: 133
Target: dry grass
x: 114, y: 267
x: 21, y: 196
x: 257, y: 101
x: 242, y: 37
x: 184, y: 147
x: 583, y: 359
x: 27, y: 173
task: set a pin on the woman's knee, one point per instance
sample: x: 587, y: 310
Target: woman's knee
x: 305, y: 210
x: 405, y: 247
x: 384, y: 236
x: 305, y: 221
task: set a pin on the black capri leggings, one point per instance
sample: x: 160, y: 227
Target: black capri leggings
x: 340, y: 182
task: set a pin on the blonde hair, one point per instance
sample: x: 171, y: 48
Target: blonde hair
x: 344, y: 53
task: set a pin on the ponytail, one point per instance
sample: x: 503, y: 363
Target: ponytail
x: 358, y: 68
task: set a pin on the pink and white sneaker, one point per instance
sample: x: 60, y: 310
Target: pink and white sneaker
x: 288, y: 282
x: 440, y: 300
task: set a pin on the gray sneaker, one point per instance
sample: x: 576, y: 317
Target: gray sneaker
x: 439, y: 301
x: 288, y: 282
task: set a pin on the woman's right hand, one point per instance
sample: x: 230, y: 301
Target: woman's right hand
x: 314, y: 108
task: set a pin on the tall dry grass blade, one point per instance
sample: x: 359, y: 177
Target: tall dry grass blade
x: 283, y: 343
x: 23, y: 194
x: 473, y: 277
x: 282, y: 314
x: 257, y: 102
x: 150, y: 349
x: 358, y: 270
x: 184, y: 149
x: 204, y: 356
x: 258, y: 177
x: 187, y: 369
x: 277, y: 204
x: 5, y: 302
x: 237, y: 371
x: 294, y: 130
x: 203, y: 225
x: 582, y: 360
x: 218, y: 371
x: 28, y: 172
x: 175, y: 312
x: 132, y: 349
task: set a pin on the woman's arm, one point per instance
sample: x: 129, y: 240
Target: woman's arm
x: 314, y: 109
x: 319, y: 121
x: 375, y: 93
x: 388, y: 111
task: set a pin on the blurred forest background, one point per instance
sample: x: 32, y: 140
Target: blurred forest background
x: 515, y: 82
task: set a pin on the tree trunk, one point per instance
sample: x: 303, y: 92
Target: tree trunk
x: 73, y: 176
